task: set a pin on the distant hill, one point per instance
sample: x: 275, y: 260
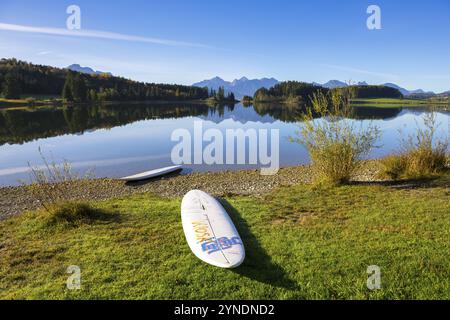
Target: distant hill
x: 246, y: 87
x: 406, y: 92
x: 332, y: 84
x: 402, y: 90
x: 20, y: 77
x: 240, y: 87
x: 86, y: 70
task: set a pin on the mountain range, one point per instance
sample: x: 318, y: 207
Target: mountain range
x: 247, y: 87
x: 339, y: 84
x: 243, y: 86
x: 240, y: 87
x: 87, y: 70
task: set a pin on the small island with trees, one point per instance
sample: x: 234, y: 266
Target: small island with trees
x: 300, y: 92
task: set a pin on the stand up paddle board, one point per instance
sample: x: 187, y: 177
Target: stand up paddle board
x: 209, y: 231
x: 151, y: 174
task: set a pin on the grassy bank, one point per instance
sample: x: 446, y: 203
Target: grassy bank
x: 301, y: 243
x: 26, y: 103
x: 385, y: 102
x: 51, y: 103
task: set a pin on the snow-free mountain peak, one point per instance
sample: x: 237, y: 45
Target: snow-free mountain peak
x: 76, y: 67
x: 240, y: 87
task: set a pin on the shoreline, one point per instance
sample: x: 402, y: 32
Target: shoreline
x: 16, y: 200
x: 10, y: 104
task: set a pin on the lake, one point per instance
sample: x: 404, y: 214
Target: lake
x: 115, y: 140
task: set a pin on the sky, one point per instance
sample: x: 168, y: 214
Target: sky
x: 186, y: 41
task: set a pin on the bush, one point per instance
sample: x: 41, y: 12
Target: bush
x: 334, y: 143
x: 393, y: 167
x: 52, y: 185
x: 422, y: 155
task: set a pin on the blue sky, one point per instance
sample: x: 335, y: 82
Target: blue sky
x: 188, y: 41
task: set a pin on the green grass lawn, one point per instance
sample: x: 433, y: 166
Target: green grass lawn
x: 301, y: 243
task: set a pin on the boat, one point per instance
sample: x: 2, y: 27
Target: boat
x: 151, y: 174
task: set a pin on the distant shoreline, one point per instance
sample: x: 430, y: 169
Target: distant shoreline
x: 409, y: 102
x: 27, y: 103
x: 8, y: 104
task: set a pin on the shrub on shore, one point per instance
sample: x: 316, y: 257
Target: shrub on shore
x: 422, y: 155
x: 51, y: 188
x: 334, y: 143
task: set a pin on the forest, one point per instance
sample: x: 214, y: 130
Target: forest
x: 301, y: 91
x: 286, y: 90
x: 18, y: 78
x: 369, y: 92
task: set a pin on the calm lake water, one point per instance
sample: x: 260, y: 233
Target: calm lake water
x: 121, y: 139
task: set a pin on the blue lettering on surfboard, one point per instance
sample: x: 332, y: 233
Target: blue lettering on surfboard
x: 223, y: 243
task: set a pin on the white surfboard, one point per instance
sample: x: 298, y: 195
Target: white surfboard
x: 209, y: 231
x: 151, y: 174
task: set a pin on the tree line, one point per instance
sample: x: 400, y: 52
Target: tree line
x: 367, y: 92
x: 286, y: 90
x: 219, y: 96
x: 19, y: 77
x: 302, y: 91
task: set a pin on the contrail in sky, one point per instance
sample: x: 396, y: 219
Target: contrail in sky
x: 96, y: 34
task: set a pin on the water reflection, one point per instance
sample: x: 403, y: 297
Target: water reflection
x: 122, y: 139
x: 22, y: 125
x: 18, y: 126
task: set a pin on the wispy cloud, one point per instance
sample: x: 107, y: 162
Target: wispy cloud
x: 360, y: 71
x: 96, y: 34
x: 43, y: 53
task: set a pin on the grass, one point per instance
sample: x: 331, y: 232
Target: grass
x: 28, y: 102
x: 71, y: 214
x: 301, y: 243
x: 389, y: 103
x: 46, y: 102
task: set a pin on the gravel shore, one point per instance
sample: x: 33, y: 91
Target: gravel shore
x: 14, y: 200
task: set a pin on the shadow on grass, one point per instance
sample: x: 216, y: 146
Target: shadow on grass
x: 257, y: 265
x: 74, y: 213
x: 427, y: 182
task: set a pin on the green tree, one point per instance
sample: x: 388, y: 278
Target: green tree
x: 220, y: 94
x: 93, y: 95
x: 11, y: 87
x: 79, y: 89
x: 67, y: 89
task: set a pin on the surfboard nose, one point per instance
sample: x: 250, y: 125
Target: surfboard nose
x: 191, y: 202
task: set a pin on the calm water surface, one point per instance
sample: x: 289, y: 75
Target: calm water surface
x: 121, y: 139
